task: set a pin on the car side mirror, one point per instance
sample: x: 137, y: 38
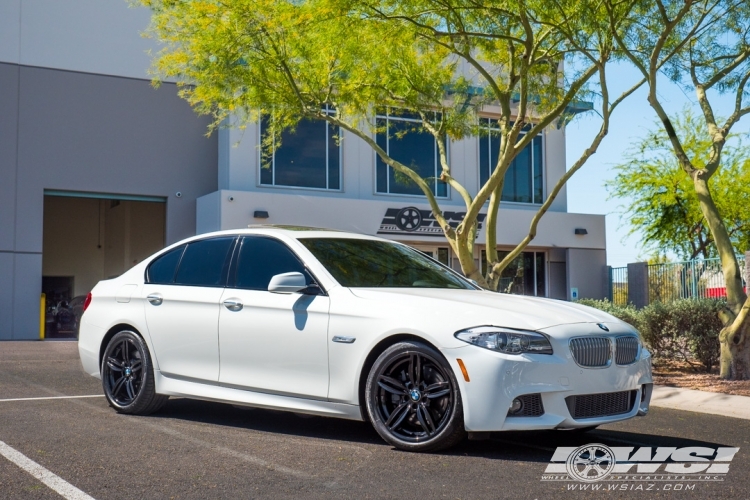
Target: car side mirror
x: 287, y: 283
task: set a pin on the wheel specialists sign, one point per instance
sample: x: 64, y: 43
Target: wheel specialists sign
x: 420, y: 222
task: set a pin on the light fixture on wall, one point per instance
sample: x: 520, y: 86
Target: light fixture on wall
x: 580, y: 230
x: 260, y: 214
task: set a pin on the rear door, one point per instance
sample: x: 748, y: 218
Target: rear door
x: 272, y: 342
x: 182, y: 298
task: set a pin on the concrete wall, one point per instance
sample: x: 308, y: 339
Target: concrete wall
x: 216, y: 211
x: 92, y: 36
x: 585, y: 268
x: 88, y: 133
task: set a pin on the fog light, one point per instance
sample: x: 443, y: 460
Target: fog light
x: 516, y: 406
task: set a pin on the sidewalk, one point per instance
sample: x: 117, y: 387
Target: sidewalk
x: 714, y: 403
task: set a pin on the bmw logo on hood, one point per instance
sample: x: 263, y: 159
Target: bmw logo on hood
x: 602, y: 326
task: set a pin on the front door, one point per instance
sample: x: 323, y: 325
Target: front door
x: 272, y: 342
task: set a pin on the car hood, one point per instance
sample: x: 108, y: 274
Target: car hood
x: 480, y: 307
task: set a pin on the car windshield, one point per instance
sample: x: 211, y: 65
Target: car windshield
x: 369, y: 263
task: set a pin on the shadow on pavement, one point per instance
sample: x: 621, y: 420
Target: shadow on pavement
x: 528, y: 446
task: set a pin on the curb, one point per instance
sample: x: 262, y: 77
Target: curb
x: 714, y: 403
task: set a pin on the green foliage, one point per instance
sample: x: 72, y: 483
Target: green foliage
x: 696, y: 324
x: 682, y: 329
x: 523, y: 62
x: 662, y: 204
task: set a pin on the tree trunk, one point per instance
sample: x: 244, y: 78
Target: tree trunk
x: 465, y: 251
x: 734, y: 359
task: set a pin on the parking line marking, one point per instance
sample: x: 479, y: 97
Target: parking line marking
x: 53, y: 481
x: 52, y: 397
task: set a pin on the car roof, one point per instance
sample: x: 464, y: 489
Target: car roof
x: 296, y: 232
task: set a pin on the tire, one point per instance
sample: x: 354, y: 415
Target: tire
x: 413, y: 400
x: 128, y: 376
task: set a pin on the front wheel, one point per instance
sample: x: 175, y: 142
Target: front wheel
x: 413, y: 399
x: 128, y: 377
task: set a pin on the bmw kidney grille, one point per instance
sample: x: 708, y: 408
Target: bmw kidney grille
x: 596, y: 352
x: 591, y: 352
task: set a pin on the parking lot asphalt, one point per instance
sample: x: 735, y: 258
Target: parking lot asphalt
x: 194, y: 449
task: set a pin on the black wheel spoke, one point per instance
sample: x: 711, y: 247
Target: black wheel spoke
x: 130, y: 389
x: 398, y: 415
x: 437, y: 390
x: 114, y: 364
x: 125, y: 351
x: 415, y: 369
x: 425, y: 419
x: 136, y: 366
x: 118, y: 386
x: 392, y: 385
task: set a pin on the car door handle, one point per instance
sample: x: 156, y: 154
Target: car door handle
x: 155, y: 299
x: 233, y: 304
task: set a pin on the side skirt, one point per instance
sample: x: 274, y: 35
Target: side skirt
x: 209, y: 392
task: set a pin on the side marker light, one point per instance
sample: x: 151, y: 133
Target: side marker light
x: 463, y: 369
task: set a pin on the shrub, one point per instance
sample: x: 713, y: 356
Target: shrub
x: 696, y: 327
x: 685, y: 328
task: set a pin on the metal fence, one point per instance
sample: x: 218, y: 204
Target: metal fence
x: 695, y: 279
x: 618, y: 285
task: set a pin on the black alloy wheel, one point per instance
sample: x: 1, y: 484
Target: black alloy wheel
x: 413, y: 399
x: 127, y: 376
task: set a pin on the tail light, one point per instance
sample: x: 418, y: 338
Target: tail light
x: 87, y: 302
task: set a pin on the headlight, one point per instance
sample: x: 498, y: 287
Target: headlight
x: 506, y: 340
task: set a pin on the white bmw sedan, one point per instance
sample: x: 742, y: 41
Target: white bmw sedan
x: 343, y: 325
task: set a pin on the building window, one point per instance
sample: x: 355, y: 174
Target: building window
x: 524, y: 276
x: 524, y: 179
x: 308, y: 157
x: 402, y: 137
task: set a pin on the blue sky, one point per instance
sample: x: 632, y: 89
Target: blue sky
x: 631, y: 120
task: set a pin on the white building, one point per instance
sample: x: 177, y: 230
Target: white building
x: 98, y: 170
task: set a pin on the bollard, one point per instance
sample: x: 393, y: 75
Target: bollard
x: 42, y: 312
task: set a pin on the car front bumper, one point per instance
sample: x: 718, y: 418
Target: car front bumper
x: 496, y: 379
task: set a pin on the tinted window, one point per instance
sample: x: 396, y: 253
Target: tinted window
x: 368, y: 263
x: 162, y: 269
x: 405, y: 140
x: 203, y: 263
x: 524, y: 178
x: 308, y: 156
x: 261, y: 259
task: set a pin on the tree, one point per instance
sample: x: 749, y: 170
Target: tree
x: 707, y: 44
x: 291, y: 60
x: 663, y: 206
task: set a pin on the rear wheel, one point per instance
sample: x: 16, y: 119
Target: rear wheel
x: 128, y: 376
x: 413, y: 399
